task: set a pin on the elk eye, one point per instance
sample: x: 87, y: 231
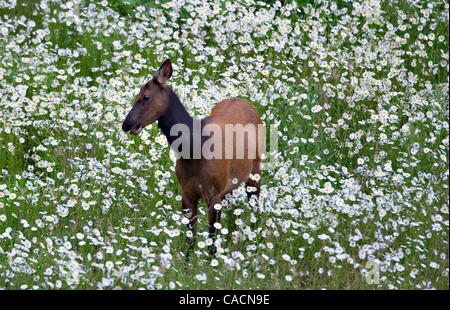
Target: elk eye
x: 146, y: 97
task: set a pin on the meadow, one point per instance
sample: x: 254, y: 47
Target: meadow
x: 358, y: 197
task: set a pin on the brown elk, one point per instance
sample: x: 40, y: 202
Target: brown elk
x: 207, y: 178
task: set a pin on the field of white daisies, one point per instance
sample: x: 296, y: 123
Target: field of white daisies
x: 357, y: 90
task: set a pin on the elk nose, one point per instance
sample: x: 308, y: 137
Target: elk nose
x: 125, y: 126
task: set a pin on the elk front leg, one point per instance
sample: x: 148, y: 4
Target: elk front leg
x: 190, y: 212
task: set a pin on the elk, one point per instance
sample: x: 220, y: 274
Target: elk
x: 201, y: 177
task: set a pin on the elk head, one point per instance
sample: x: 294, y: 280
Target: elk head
x: 152, y: 101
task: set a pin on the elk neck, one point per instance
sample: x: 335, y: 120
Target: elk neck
x: 175, y: 114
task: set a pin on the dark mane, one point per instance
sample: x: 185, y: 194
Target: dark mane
x: 176, y: 114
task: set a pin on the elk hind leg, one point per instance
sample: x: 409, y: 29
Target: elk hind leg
x: 254, y: 180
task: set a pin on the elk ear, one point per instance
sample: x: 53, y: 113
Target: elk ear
x: 164, y: 72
